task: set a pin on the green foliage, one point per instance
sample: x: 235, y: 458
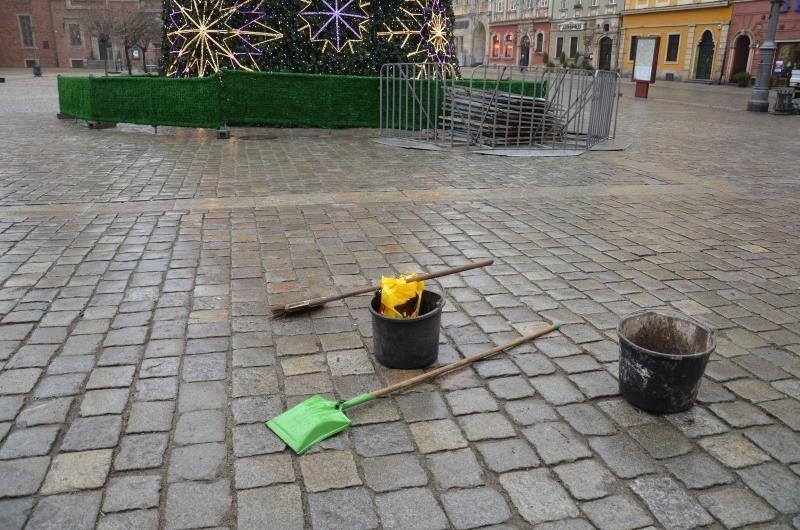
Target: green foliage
x: 741, y: 78
x: 546, y: 58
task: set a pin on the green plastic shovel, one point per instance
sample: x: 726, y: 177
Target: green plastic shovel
x: 315, y: 419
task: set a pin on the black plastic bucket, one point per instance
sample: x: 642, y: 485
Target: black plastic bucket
x: 408, y: 342
x: 662, y: 360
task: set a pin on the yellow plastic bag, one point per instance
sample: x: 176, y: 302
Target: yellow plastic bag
x: 400, y: 298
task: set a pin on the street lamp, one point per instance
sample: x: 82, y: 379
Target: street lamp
x: 759, y: 99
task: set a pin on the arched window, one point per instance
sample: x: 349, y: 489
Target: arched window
x: 539, y: 42
x: 495, y: 46
x: 509, y: 46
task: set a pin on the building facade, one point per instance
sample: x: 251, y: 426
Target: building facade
x: 692, y: 34
x: 56, y: 34
x: 586, y: 32
x: 470, y: 30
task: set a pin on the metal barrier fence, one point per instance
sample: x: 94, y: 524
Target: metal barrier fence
x: 499, y: 106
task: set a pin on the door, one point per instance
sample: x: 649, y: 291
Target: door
x: 525, y: 51
x: 604, y: 61
x: 741, y: 53
x: 478, y: 44
x: 705, y: 56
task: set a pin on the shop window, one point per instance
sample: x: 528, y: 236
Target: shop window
x: 539, y: 42
x: 559, y: 46
x: 632, y: 51
x: 496, y: 46
x: 26, y: 31
x: 573, y: 47
x: 673, y: 44
x: 75, y: 35
x: 509, y: 46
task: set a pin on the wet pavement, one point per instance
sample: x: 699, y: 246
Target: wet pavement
x: 137, y: 361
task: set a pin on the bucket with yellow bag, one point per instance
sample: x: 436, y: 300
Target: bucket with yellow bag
x: 406, y: 320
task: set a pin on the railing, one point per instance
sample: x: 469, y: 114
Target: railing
x: 500, y: 107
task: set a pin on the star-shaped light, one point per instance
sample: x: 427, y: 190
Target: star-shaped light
x: 423, y: 31
x: 335, y: 23
x: 204, y: 35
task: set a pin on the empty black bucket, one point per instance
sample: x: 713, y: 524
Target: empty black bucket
x: 408, y: 342
x: 662, y: 360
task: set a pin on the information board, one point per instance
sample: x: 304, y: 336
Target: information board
x: 644, y: 66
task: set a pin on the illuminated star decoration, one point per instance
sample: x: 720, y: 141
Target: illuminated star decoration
x: 207, y: 35
x: 335, y: 23
x: 423, y: 30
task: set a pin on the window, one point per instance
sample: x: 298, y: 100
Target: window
x: 573, y: 47
x: 606, y: 27
x: 632, y: 51
x: 595, y: 3
x: 543, y: 3
x: 563, y: 4
x: 512, y: 5
x: 26, y: 31
x: 559, y: 46
x: 496, y: 46
x: 612, y: 2
x: 539, y: 42
x: 509, y: 48
x: 499, y: 6
x: 673, y: 44
x: 75, y: 35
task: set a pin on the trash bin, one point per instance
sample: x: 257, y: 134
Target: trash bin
x: 783, y: 103
x: 408, y: 343
x: 662, y: 359
x: 37, y: 70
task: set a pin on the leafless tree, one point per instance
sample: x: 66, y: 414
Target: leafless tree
x: 102, y: 25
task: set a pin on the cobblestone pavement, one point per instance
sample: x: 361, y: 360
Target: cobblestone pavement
x: 137, y: 363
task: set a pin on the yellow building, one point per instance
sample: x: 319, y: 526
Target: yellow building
x: 693, y: 36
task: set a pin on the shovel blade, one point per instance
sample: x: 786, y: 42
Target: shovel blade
x: 309, y: 422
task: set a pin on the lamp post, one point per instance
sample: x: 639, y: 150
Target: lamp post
x: 759, y: 99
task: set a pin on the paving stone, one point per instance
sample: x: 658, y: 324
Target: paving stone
x: 699, y: 471
x: 349, y: 362
x: 156, y: 389
x: 201, y: 396
x: 256, y: 408
x: 197, y: 504
x: 204, y: 367
x: 625, y: 414
x: 76, y: 511
x: 660, y: 440
x: 557, y: 347
x: 348, y: 508
x: 578, y: 363
x: 159, y: 367
x: 199, y: 427
x: 22, y: 476
x: 587, y: 419
x: 733, y: 450
x: 386, y: 473
x: 557, y: 390
x: 44, y: 412
x: 511, y: 387
x: 740, y: 414
x: 419, y: 406
x: 781, y: 443
x: 141, y: 451
x: 126, y: 336
x: 151, y: 416
x: 538, y: 497
x: 623, y: 455
x: 556, y: 442
x: 566, y: 524
x: 264, y: 470
x: 58, y: 386
x: 530, y: 411
x: 470, y: 401
x: 475, y: 507
x: 18, y: 381
x: 735, y: 506
x: 786, y: 410
x: 697, y: 422
x: 255, y: 381
x: 410, y: 508
x: 203, y: 461
x: 382, y: 439
x: 617, y: 512
x: 14, y: 513
x: 273, y: 507
x: 10, y: 406
x: 132, y: 492
x: 670, y: 504
x: 533, y: 364
x: 120, y: 355
x: 33, y: 441
x: 32, y: 356
x: 72, y: 364
x: 586, y: 479
x: 118, y: 376
x: 255, y: 439
x: 455, y: 469
x: 139, y: 519
x: 438, y: 435
x: 97, y: 432
x: 753, y: 390
x: 328, y: 470
x: 100, y: 402
x: 164, y: 348
x: 773, y: 483
x: 77, y: 471
x: 486, y: 426
x: 507, y: 455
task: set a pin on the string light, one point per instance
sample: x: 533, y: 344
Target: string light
x: 334, y: 23
x: 423, y: 31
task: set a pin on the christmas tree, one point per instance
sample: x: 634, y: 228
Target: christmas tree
x: 346, y: 37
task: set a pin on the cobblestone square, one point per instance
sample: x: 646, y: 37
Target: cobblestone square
x: 138, y: 363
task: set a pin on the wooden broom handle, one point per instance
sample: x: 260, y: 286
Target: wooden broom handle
x: 416, y: 278
x: 427, y: 376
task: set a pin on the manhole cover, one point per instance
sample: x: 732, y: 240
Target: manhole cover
x: 257, y: 137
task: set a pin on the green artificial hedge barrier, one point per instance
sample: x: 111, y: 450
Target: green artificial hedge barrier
x: 244, y: 98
